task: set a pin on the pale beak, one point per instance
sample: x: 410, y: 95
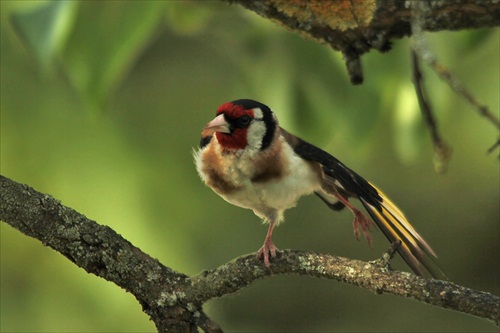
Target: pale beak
x: 218, y: 124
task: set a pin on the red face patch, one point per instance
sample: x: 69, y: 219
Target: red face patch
x: 234, y: 111
x: 237, y: 139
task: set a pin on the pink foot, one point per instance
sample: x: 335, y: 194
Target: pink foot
x: 361, y: 221
x: 264, y: 251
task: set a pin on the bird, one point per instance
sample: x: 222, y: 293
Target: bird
x: 251, y: 162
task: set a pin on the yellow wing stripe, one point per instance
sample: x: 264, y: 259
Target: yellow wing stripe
x: 392, y: 235
x: 401, y: 221
x: 414, y: 249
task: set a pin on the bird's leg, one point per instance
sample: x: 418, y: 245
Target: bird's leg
x: 360, y: 220
x: 268, y: 246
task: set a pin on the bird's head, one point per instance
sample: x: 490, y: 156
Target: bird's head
x: 242, y: 124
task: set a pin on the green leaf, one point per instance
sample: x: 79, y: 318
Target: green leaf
x: 107, y: 37
x: 44, y: 27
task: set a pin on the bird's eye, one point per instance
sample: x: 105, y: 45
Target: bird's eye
x: 244, y: 121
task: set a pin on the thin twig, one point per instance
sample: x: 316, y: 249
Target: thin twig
x: 356, y: 27
x: 419, y: 8
x: 441, y: 149
x: 492, y: 148
x: 385, y: 260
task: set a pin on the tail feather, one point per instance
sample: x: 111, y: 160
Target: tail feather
x: 414, y: 249
x: 399, y: 216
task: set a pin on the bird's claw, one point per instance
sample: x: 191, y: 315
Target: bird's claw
x: 265, y: 250
x: 360, y: 220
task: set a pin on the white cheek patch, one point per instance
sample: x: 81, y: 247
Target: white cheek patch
x: 256, y: 130
x: 257, y: 113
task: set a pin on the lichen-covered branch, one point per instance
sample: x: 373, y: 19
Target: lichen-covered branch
x: 99, y: 250
x: 173, y: 300
x: 354, y: 27
x: 242, y: 271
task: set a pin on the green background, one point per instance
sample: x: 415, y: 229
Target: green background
x: 102, y: 104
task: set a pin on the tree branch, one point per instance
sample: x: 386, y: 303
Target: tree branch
x: 242, y: 271
x: 442, y: 151
x: 354, y: 27
x: 173, y: 300
x: 421, y: 50
x: 99, y: 250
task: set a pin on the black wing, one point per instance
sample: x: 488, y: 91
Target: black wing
x: 340, y: 180
x: 351, y: 183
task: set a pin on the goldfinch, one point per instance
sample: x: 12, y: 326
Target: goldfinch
x: 251, y: 162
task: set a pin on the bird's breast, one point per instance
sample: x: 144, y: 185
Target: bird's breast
x: 273, y: 179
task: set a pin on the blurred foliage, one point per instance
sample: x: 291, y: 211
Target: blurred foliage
x: 102, y: 104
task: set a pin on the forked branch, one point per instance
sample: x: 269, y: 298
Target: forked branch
x: 173, y: 300
x: 354, y: 27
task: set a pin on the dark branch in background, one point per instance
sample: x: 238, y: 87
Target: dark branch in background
x: 173, y: 300
x: 493, y: 147
x: 354, y: 27
x: 421, y: 50
x: 441, y: 149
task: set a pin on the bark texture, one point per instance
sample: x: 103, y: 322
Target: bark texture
x: 354, y: 27
x: 173, y: 300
